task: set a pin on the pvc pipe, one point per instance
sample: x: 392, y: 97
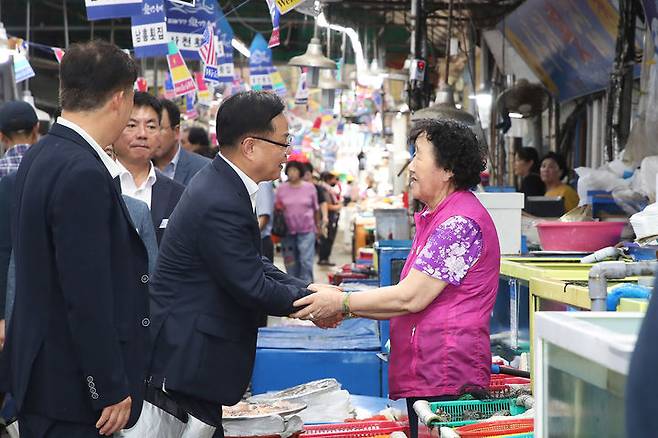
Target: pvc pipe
x: 609, y: 252
x: 602, y: 272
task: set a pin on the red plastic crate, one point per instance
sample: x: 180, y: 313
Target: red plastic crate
x: 501, y: 379
x: 496, y: 428
x: 355, y: 429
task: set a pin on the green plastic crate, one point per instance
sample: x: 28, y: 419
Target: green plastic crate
x: 488, y: 407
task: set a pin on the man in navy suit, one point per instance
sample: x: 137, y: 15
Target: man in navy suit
x: 172, y: 160
x: 77, y: 340
x: 211, y: 285
x: 139, y: 178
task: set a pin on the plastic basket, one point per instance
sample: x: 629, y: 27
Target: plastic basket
x: 355, y: 429
x: 501, y: 379
x: 497, y: 428
x: 456, y: 410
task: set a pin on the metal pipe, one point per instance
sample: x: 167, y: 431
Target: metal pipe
x: 602, y: 272
x: 66, y: 24
x: 28, y: 16
x: 449, y: 36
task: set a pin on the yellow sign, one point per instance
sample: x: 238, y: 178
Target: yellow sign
x: 287, y: 5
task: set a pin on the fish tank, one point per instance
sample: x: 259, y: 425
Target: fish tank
x: 581, y: 365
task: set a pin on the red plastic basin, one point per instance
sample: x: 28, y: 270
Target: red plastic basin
x: 579, y: 236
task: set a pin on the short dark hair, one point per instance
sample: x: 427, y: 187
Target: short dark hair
x: 455, y: 149
x: 295, y: 165
x: 143, y: 100
x: 529, y: 154
x: 172, y: 111
x: 198, y: 135
x: 560, y: 160
x: 247, y: 112
x: 91, y: 72
x: 327, y: 176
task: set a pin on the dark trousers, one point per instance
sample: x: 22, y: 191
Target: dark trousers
x: 413, y: 418
x: 268, y: 248
x: 38, y: 426
x: 327, y: 243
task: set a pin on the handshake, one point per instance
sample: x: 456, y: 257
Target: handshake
x: 325, y: 306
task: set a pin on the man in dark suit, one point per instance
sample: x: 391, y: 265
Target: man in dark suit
x: 77, y: 340
x: 172, y: 160
x: 139, y: 177
x: 211, y: 286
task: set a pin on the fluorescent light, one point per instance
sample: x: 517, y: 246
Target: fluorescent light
x: 482, y: 99
x: 240, y: 47
x: 515, y: 116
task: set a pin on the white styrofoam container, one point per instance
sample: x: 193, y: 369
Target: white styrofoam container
x: 505, y: 210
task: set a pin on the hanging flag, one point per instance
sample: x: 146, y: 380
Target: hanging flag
x: 224, y: 36
x: 202, y: 91
x: 149, y: 30
x: 208, y: 54
x: 22, y: 68
x: 301, y: 97
x: 186, y: 24
x: 103, y: 9
x: 141, y: 84
x: 260, y: 63
x: 169, y: 88
x: 285, y: 6
x: 59, y: 54
x: 180, y: 75
x: 275, y: 38
x: 190, y: 110
x: 277, y: 82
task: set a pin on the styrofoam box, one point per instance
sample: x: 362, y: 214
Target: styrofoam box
x: 505, y: 210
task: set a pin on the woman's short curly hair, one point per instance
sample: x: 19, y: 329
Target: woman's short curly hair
x: 456, y: 148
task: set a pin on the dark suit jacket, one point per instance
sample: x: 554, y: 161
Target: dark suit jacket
x: 78, y: 338
x: 6, y: 189
x: 211, y: 289
x: 188, y: 165
x: 164, y: 197
x: 141, y: 217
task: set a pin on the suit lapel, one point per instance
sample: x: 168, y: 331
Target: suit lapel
x: 159, y: 195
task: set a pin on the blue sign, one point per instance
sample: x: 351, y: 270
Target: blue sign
x: 104, y: 9
x: 224, y: 35
x: 569, y: 44
x: 149, y: 30
x: 260, y: 64
x: 186, y: 24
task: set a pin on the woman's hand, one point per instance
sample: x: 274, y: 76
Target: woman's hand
x: 324, y: 304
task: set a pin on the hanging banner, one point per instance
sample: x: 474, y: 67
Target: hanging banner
x: 277, y: 82
x: 224, y: 36
x: 301, y: 97
x: 186, y: 24
x: 190, y: 110
x: 286, y: 6
x: 275, y: 38
x: 141, y: 84
x: 202, y: 91
x: 59, y: 54
x: 169, y: 88
x: 149, y: 30
x: 208, y: 54
x: 22, y: 68
x: 180, y: 75
x: 260, y: 64
x: 104, y: 9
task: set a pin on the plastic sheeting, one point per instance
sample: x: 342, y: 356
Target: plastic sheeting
x: 352, y: 334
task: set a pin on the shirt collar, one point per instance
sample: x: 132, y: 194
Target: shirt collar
x: 17, y: 150
x: 110, y: 165
x: 125, y: 173
x: 174, y: 160
x: 250, y: 184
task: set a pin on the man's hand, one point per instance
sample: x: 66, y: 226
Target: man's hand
x: 328, y: 323
x: 2, y: 334
x: 326, y: 302
x: 114, y: 418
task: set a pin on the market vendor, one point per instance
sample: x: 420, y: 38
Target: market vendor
x: 440, y: 310
x: 552, y: 171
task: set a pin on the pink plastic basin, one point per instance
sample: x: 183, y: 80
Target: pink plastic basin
x: 579, y: 236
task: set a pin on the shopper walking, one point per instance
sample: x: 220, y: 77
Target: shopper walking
x: 334, y: 205
x: 299, y: 201
x: 440, y: 309
x: 77, y: 341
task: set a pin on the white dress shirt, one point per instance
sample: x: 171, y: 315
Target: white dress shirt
x: 110, y: 165
x: 130, y: 188
x: 250, y: 184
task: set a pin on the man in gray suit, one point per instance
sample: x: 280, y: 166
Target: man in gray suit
x: 170, y: 158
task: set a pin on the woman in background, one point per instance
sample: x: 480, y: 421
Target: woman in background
x: 552, y: 171
x: 526, y: 165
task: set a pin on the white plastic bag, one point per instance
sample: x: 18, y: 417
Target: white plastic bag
x: 154, y: 422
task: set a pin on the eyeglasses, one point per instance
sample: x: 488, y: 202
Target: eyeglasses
x: 286, y: 145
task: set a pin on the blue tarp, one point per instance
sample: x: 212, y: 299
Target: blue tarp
x: 352, y: 334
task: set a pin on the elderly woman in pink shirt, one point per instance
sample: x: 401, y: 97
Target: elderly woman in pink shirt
x: 440, y: 309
